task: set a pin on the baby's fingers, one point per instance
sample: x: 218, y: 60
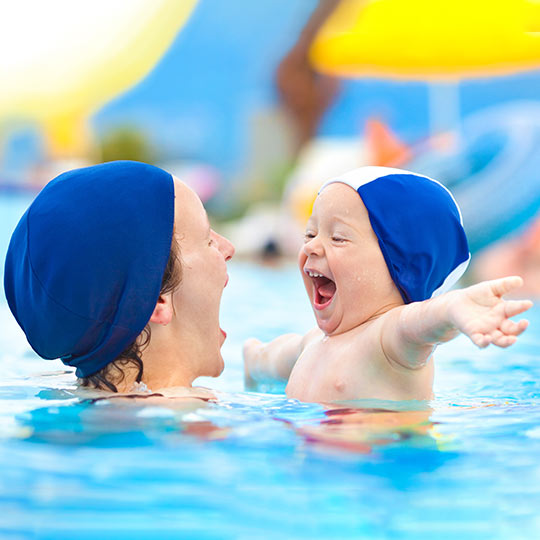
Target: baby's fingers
x: 249, y: 345
x: 515, y: 307
x: 504, y: 341
x: 481, y: 340
x: 501, y: 286
x: 513, y: 328
x: 503, y: 337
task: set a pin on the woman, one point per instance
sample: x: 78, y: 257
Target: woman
x: 115, y: 269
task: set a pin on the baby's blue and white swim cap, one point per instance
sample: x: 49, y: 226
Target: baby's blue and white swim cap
x: 419, y: 227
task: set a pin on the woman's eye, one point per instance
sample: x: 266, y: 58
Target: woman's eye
x: 308, y: 236
x: 338, y: 239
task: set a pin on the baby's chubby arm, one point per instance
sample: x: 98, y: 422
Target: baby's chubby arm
x: 274, y: 360
x: 410, y: 333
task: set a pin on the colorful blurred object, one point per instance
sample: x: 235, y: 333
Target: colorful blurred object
x: 429, y: 38
x: 516, y: 256
x: 72, y: 57
x: 324, y: 158
x: 493, y: 172
x: 384, y: 146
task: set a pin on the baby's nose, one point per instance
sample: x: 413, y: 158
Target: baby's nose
x: 313, y: 247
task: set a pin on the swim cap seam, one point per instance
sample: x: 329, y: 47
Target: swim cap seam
x: 387, y: 259
x: 343, y: 179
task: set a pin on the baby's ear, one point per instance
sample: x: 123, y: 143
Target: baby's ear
x: 163, y: 312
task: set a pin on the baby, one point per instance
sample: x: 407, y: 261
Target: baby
x: 382, y: 248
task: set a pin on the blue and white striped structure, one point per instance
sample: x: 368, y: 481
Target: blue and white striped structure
x: 419, y: 227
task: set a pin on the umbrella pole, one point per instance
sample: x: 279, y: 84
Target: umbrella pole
x: 444, y: 110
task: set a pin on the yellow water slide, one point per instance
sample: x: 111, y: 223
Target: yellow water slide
x: 60, y: 60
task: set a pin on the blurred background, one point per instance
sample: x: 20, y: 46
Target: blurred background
x: 255, y: 104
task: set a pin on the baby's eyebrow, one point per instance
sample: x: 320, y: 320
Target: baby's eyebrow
x: 310, y: 222
x: 342, y: 220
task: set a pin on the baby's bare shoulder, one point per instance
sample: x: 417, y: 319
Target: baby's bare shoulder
x: 358, y: 343
x: 313, y: 336
x: 369, y: 333
x: 365, y: 344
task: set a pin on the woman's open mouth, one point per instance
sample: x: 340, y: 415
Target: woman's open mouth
x: 223, y: 335
x: 324, y: 290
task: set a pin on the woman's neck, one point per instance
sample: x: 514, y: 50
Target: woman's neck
x: 166, y: 366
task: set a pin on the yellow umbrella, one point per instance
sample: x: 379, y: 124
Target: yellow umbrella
x: 429, y: 38
x: 62, y: 59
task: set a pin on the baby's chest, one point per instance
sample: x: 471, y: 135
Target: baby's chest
x: 331, y: 373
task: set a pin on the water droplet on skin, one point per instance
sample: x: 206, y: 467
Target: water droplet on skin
x: 325, y: 339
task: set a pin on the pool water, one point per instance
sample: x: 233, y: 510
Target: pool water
x: 257, y: 465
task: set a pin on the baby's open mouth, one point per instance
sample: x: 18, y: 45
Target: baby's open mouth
x: 325, y: 289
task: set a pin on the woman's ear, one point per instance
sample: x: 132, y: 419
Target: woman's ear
x: 163, y: 312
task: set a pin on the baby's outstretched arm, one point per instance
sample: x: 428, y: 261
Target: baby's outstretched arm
x: 274, y: 360
x: 409, y: 335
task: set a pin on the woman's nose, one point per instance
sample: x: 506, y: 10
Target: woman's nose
x: 226, y: 247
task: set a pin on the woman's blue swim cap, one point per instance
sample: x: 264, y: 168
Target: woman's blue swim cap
x: 84, y: 266
x: 419, y: 227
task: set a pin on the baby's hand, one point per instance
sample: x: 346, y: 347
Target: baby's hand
x: 249, y: 351
x: 481, y: 313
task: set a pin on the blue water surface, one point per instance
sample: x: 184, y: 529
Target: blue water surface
x: 257, y: 465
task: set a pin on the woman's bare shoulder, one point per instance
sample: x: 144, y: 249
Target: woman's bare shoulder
x: 179, y: 397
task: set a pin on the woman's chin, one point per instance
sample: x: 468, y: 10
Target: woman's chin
x: 216, y: 367
x: 219, y: 368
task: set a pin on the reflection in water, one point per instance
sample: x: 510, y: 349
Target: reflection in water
x: 364, y: 430
x: 126, y: 421
x: 140, y: 420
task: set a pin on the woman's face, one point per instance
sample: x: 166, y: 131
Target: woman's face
x: 203, y: 256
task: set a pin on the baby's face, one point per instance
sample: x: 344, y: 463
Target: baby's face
x: 344, y: 271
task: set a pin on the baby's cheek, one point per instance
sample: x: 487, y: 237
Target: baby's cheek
x: 360, y: 278
x: 371, y: 271
x: 302, y: 258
